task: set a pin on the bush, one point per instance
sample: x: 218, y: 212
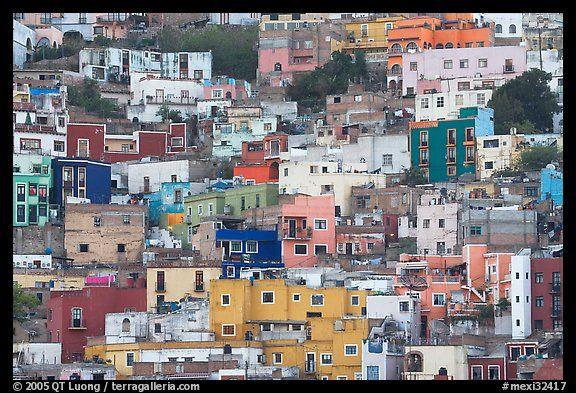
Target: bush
x: 88, y: 97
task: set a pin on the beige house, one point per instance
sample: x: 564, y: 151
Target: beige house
x: 423, y: 362
x: 327, y: 177
x: 104, y: 233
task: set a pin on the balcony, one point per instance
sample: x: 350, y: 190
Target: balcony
x: 555, y: 287
x: 508, y: 69
x: 556, y: 312
x: 299, y: 233
x: 77, y: 324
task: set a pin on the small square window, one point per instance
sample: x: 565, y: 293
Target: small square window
x: 121, y: 247
x: 83, y: 247
x: 225, y: 300
x: 268, y: 297
x: 355, y: 300
x: 126, y: 219
x: 296, y: 297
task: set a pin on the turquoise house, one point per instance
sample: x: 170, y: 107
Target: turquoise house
x: 32, y: 181
x: 446, y: 149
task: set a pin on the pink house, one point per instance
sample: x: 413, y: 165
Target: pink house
x: 308, y: 229
x: 222, y: 87
x: 507, y: 61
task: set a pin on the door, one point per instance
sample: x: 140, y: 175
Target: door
x: 199, y: 280
x: 32, y: 213
x: 311, y: 362
x: 348, y: 248
x: 423, y: 325
x: 146, y: 184
x: 291, y: 228
x: 159, y: 95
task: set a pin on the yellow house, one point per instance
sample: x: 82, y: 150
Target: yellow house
x: 20, y: 92
x: 174, y: 280
x: 320, y: 331
x: 42, y: 279
x: 117, y: 354
x: 371, y: 36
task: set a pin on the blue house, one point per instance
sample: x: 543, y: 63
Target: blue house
x: 551, y: 185
x: 81, y: 178
x: 248, y: 249
x: 169, y: 200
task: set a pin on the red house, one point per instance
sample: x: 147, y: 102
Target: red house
x: 547, y: 291
x: 74, y: 315
x: 514, y: 350
x: 261, y: 159
x: 92, y: 141
x: 486, y: 368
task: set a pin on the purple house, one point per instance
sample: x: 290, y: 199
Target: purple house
x: 507, y: 61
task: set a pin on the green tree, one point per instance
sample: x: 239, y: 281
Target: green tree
x: 22, y: 303
x: 537, y: 157
x: 169, y: 114
x: 504, y: 304
x: 87, y: 96
x: 524, y: 98
x: 413, y: 177
x: 311, y: 89
x: 28, y: 118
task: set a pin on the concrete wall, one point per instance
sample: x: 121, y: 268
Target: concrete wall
x: 20, y: 35
x: 34, y: 239
x: 372, y: 148
x: 158, y: 172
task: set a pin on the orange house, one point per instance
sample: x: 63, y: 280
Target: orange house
x: 423, y: 33
x: 261, y: 159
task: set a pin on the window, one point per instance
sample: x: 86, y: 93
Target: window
x: 83, y: 148
x: 228, y: 330
x: 512, y: 29
x: 301, y: 249
x: 463, y: 63
x: 498, y: 29
x: 447, y: 64
x: 370, y: 246
x: 480, y: 44
x: 482, y: 63
x: 46, y: 18
x: 441, y: 223
x: 350, y: 350
x: 32, y: 189
x: 413, y: 66
x: 325, y: 359
x: 21, y: 192
x: 97, y: 221
x: 493, y: 372
x: 235, y: 246
x: 423, y: 138
x: 83, y: 247
x: 177, y: 142
x: 225, y: 300
x: 76, y: 317
x: 320, y: 249
x: 243, y: 203
x: 355, y: 300
x: 320, y: 224
x: 440, y: 102
x: 198, y: 74
x: 489, y: 165
x: 439, y: 299
x: 336, y: 100
x: 470, y: 153
x: 459, y: 100
x: 30, y: 144
x: 317, y: 300
x: 129, y: 359
x: 268, y: 297
x: 357, y: 98
x: 462, y: 86
x: 426, y: 223
x: 296, y: 297
x: 121, y: 247
x: 481, y: 99
x: 157, y: 328
x: 539, y: 301
x: 475, y: 231
x: 514, y: 353
x: 477, y: 372
x: 530, y: 191
x: 126, y: 325
x: 200, y: 209
x: 387, y: 159
x: 404, y: 306
x: 230, y: 271
x: 372, y: 373
x: 424, y: 103
x: 251, y: 246
x: 539, y: 278
x: 277, y: 358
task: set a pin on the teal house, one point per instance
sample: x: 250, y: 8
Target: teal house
x: 32, y: 180
x: 446, y: 149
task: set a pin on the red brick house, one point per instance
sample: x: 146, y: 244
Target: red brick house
x: 547, y: 292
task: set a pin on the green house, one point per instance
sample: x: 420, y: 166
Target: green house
x: 231, y: 202
x: 32, y: 180
x: 446, y: 149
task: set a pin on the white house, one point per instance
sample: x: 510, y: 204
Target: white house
x: 387, y: 153
x: 401, y: 308
x: 437, y: 224
x: 23, y: 44
x: 148, y: 176
x: 520, y: 294
x: 506, y: 24
x: 32, y: 261
x: 36, y: 353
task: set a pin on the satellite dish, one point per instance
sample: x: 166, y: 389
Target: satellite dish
x: 551, y: 166
x: 413, y: 282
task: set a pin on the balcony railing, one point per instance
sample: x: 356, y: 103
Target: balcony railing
x: 556, y: 312
x: 171, y: 100
x: 299, y: 233
x: 452, y: 279
x: 555, y: 287
x: 508, y: 69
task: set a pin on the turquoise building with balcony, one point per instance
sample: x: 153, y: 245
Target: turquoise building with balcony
x: 32, y: 181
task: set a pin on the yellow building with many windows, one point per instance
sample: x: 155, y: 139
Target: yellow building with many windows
x: 318, y: 330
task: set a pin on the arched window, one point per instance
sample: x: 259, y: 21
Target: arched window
x: 396, y: 48
x: 54, y: 44
x: 414, y: 362
x: 28, y: 44
x: 449, y: 45
x: 512, y: 29
x: 126, y: 325
x: 277, y: 67
x: 228, y: 95
x: 439, y: 46
x: 429, y: 45
x: 411, y: 47
x: 498, y: 29
x: 396, y: 69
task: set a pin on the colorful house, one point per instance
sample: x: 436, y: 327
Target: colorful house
x: 248, y: 249
x: 308, y: 229
x: 319, y: 330
x: 261, y: 159
x: 32, y: 181
x: 552, y: 185
x: 446, y: 149
x: 81, y: 178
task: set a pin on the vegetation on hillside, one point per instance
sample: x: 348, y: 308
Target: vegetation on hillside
x: 310, y: 89
x: 22, y: 303
x: 234, y: 48
x: 87, y: 96
x: 526, y: 103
